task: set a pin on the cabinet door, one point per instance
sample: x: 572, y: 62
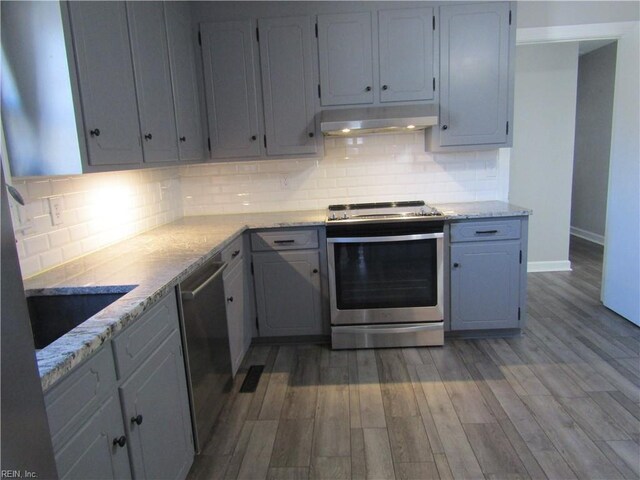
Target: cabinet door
x: 230, y: 87
x: 153, y: 81
x: 234, y: 292
x: 91, y: 453
x: 474, y: 74
x: 185, y: 84
x: 346, y: 58
x: 485, y: 285
x: 288, y: 85
x: 161, y: 446
x: 287, y: 285
x: 406, y: 54
x: 107, y: 90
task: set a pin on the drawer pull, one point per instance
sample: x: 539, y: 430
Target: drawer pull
x: 235, y: 254
x: 120, y: 442
x: 281, y: 242
x: 456, y: 265
x: 230, y: 299
x: 486, y: 232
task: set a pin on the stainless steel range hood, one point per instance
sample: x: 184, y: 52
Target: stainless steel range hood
x: 362, y: 121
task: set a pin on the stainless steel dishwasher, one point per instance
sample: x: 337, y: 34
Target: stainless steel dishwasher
x: 206, y: 342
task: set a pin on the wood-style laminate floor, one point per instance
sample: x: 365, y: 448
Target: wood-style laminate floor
x: 562, y: 401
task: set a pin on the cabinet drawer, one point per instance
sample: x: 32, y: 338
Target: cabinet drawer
x: 133, y: 345
x: 480, y: 231
x: 80, y: 393
x: 284, y: 240
x: 232, y: 253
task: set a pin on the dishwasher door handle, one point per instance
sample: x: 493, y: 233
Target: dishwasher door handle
x: 192, y: 294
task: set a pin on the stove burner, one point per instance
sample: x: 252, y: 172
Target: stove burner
x: 360, y: 206
x: 381, y: 211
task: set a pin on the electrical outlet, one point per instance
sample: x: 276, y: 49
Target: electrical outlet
x: 55, y: 209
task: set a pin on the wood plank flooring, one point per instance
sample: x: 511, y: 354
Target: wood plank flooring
x: 561, y: 401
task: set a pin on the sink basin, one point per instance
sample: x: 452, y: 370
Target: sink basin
x: 52, y: 316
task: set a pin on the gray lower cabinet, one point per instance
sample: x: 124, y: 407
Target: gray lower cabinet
x: 91, y: 451
x: 476, y: 76
x: 288, y: 293
x: 119, y: 414
x: 288, y: 85
x: 287, y: 286
x: 156, y: 412
x: 487, y: 274
x: 234, y: 288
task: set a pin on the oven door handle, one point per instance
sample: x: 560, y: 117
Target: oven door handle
x: 389, y: 238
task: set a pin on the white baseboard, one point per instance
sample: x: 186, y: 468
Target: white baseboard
x: 559, y: 266
x: 587, y: 235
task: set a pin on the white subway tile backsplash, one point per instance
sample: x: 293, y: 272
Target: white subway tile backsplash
x: 58, y: 238
x: 100, y: 209
x: 36, y: 244
x: 372, y: 168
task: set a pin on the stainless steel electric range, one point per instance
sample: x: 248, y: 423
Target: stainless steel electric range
x: 385, y: 274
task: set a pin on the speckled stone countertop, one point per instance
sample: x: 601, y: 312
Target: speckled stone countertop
x: 149, y: 265
x: 489, y: 209
x: 154, y: 262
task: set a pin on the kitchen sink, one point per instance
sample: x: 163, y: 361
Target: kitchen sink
x: 52, y: 316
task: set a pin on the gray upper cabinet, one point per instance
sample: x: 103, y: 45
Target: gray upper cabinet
x: 287, y: 288
x: 231, y: 88
x: 346, y: 59
x: 406, y: 41
x: 474, y: 75
x: 288, y: 86
x: 153, y: 81
x: 156, y: 412
x: 182, y: 57
x: 106, y: 82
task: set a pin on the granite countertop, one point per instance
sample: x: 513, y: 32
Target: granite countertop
x: 154, y: 262
x: 489, y: 209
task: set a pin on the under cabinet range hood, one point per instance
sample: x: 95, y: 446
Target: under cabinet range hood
x: 352, y: 122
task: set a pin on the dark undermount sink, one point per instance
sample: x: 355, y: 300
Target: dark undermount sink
x: 52, y: 316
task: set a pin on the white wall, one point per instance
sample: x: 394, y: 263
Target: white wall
x: 596, y: 77
x: 555, y: 12
x: 621, y: 273
x: 542, y: 155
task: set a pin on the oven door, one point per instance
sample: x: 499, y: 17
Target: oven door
x: 386, y: 279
